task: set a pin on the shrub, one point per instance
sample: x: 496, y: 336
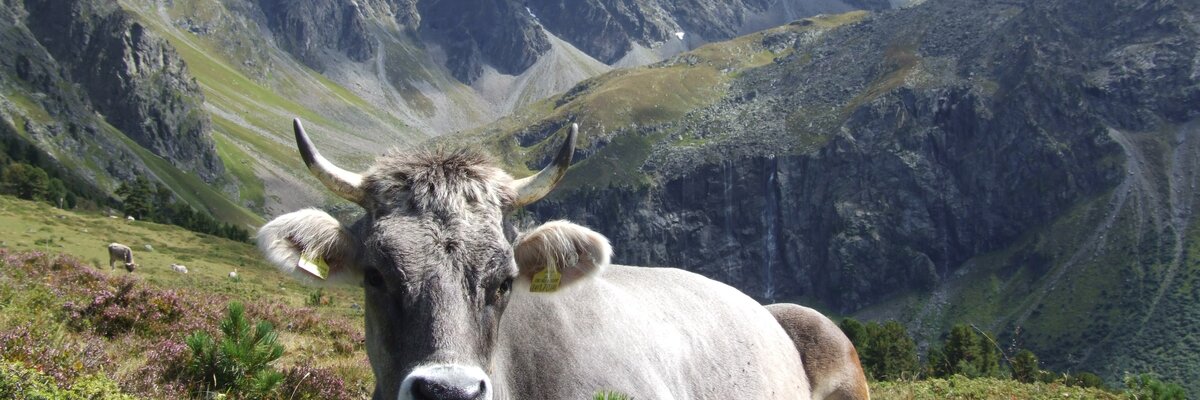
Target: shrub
x: 240, y: 364
x: 18, y: 381
x: 1084, y: 379
x: 56, y: 358
x: 1147, y: 387
x: 120, y: 305
x: 1025, y: 366
x: 318, y: 298
x: 305, y: 382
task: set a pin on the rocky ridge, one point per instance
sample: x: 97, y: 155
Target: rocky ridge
x: 135, y: 79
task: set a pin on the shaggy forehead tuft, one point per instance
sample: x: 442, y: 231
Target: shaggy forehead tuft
x: 437, y: 181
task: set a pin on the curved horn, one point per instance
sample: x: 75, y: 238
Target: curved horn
x: 532, y: 188
x: 346, y: 184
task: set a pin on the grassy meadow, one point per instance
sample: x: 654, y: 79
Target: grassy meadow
x: 66, y: 315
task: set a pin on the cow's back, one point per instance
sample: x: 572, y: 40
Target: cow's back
x: 120, y: 252
x: 650, y: 333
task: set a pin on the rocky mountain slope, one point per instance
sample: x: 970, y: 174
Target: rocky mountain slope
x: 108, y: 101
x: 1026, y: 166
x: 208, y: 86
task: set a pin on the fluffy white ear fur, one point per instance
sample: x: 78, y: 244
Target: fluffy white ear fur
x: 309, y: 232
x: 576, y: 251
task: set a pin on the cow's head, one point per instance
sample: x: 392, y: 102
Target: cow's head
x: 435, y: 258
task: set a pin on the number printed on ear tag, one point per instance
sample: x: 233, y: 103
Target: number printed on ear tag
x: 314, y: 264
x: 545, y: 281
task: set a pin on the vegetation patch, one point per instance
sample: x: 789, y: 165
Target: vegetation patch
x: 241, y: 166
x: 959, y: 387
x: 72, y: 318
x: 191, y: 188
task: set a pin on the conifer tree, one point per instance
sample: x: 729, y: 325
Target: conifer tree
x: 1025, y: 366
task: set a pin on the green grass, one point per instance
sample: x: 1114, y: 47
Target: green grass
x: 209, y: 258
x: 241, y: 166
x: 33, y: 111
x: 960, y: 388
x: 621, y: 160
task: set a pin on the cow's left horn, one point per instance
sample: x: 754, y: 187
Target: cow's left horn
x: 344, y: 183
x: 535, y: 187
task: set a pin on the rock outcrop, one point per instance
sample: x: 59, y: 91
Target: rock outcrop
x: 135, y: 79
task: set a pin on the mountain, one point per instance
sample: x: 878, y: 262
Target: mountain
x: 198, y: 93
x: 1025, y: 166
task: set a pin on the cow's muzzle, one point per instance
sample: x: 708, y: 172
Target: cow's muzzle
x: 446, y: 382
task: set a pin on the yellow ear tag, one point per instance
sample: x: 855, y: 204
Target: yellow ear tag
x: 314, y: 264
x: 545, y: 281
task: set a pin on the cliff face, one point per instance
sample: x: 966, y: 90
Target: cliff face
x: 500, y: 33
x: 309, y: 28
x: 133, y: 78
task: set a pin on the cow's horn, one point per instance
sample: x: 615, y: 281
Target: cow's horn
x: 535, y: 187
x: 344, y: 183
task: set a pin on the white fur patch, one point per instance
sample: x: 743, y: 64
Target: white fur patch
x: 308, y: 231
x: 561, y: 246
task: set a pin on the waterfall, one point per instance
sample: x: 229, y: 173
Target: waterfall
x: 770, y: 216
x: 727, y: 193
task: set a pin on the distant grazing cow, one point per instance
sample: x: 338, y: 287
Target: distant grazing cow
x: 460, y: 307
x: 179, y: 268
x: 830, y: 359
x: 130, y: 218
x: 233, y: 274
x: 122, y: 253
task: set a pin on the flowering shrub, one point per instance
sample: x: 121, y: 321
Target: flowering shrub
x: 160, y: 376
x: 310, y: 383
x: 71, y: 323
x: 62, y: 362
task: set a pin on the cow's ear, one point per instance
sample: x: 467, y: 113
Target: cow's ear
x: 312, y: 246
x: 559, y: 253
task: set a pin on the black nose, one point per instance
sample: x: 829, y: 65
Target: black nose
x: 431, y: 389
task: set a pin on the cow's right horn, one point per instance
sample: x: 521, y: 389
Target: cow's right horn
x: 344, y: 183
x: 532, y: 188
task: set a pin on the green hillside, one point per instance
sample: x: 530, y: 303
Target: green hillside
x: 37, y: 288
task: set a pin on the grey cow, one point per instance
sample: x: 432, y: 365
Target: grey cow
x: 451, y: 309
x: 122, y: 253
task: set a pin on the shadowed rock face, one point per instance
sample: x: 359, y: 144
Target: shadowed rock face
x: 306, y: 28
x: 131, y: 76
x: 500, y: 33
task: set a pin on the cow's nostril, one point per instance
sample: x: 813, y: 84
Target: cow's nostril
x: 431, y: 389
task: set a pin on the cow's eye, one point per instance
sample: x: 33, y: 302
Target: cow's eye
x: 500, y: 292
x: 372, y: 277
